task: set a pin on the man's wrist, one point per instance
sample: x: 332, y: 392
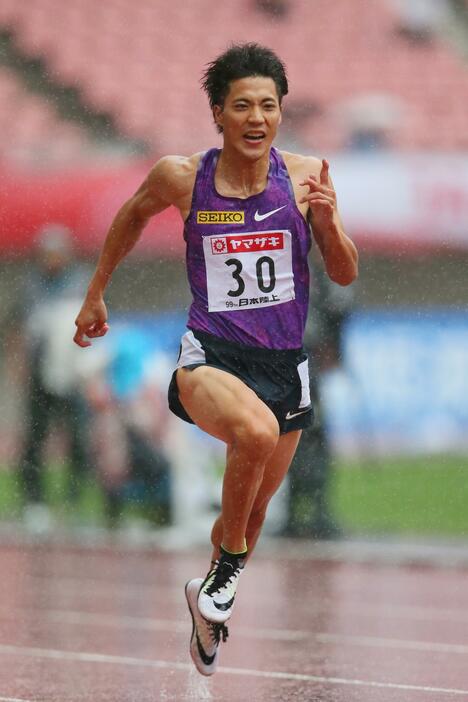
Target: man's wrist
x: 98, y: 283
x: 95, y: 290
x: 328, y: 231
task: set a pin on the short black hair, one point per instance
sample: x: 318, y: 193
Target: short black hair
x: 242, y: 61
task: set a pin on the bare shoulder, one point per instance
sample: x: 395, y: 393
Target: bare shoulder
x: 174, y: 176
x: 299, y: 169
x: 302, y: 166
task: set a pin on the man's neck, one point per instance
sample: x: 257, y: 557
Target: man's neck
x: 241, y: 177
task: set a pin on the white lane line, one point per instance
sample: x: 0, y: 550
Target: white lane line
x: 373, y: 641
x: 180, y: 627
x: 13, y: 699
x: 86, y: 657
x: 342, y: 681
x: 88, y: 586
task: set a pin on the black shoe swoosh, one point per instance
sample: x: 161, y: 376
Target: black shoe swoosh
x: 207, y: 660
x: 224, y: 606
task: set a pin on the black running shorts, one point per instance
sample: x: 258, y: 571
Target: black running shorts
x: 279, y: 378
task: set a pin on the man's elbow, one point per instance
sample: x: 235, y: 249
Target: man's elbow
x: 344, y: 277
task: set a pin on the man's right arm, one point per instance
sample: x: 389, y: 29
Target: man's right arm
x: 168, y: 183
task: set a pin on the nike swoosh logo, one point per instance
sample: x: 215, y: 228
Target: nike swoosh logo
x: 260, y: 217
x: 224, y: 606
x: 207, y: 660
x: 291, y: 415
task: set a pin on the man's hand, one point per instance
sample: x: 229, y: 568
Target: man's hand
x: 338, y: 251
x: 91, y: 321
x: 321, y: 198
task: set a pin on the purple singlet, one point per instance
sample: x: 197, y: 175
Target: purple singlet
x: 247, y: 260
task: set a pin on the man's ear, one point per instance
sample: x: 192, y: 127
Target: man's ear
x: 218, y: 115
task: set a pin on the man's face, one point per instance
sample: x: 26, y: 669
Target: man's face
x: 250, y: 115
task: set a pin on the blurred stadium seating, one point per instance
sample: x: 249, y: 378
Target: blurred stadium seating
x: 141, y: 63
x: 31, y: 127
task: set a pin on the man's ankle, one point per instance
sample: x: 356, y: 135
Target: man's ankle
x: 236, y: 559
x: 236, y: 552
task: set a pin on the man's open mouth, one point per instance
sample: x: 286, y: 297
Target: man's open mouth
x: 254, y: 137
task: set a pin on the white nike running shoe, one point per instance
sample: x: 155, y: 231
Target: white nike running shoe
x: 218, y: 591
x: 206, y: 636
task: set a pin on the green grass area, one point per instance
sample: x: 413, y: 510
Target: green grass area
x: 88, y: 509
x: 425, y: 495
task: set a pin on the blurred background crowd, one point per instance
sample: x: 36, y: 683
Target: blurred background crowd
x: 91, y: 94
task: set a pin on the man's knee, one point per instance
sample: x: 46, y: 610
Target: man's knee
x: 257, y: 436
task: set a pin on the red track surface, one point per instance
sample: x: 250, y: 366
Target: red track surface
x: 104, y: 626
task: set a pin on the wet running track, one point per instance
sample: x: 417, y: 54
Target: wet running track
x: 108, y: 625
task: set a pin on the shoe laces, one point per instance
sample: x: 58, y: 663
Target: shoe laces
x: 218, y: 631
x: 224, y: 573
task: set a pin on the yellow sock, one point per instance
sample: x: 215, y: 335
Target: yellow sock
x: 238, y: 553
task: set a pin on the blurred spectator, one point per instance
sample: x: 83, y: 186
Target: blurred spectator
x: 370, y: 119
x: 275, y: 9
x: 297, y: 115
x: 420, y: 20
x: 308, y: 512
x: 42, y: 320
x: 128, y: 396
x: 460, y: 7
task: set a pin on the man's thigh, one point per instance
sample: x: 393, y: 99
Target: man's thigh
x: 219, y: 403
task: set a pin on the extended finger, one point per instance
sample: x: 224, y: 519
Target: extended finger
x: 324, y: 177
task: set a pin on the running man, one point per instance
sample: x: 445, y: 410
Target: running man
x: 248, y: 212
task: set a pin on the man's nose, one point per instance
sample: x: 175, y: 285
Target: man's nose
x: 256, y: 115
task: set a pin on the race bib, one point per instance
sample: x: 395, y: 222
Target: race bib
x: 244, y: 271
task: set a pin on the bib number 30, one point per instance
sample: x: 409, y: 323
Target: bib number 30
x: 245, y: 271
x: 264, y: 262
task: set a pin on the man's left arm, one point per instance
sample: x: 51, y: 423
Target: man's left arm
x: 338, y: 251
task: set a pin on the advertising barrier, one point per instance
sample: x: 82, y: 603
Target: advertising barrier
x: 403, y: 386
x: 389, y: 202
x: 404, y: 383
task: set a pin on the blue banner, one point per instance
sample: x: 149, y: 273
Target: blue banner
x: 404, y: 383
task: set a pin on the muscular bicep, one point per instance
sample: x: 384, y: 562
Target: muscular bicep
x: 148, y: 201
x: 164, y: 186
